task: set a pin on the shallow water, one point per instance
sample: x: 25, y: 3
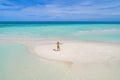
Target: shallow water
x: 96, y: 71
x: 16, y: 63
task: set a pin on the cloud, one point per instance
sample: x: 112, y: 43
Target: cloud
x: 80, y: 10
x: 7, y: 5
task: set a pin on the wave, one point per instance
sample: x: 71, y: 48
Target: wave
x: 105, y: 31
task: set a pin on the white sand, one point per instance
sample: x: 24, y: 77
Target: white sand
x: 80, y: 52
x: 91, y: 60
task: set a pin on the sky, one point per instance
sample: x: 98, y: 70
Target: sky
x: 59, y: 10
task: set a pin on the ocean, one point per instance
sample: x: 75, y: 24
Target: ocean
x: 16, y: 63
x: 95, y: 31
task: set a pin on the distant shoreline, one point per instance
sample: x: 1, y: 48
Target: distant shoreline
x: 61, y: 22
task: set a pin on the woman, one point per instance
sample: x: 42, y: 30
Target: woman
x: 58, y: 46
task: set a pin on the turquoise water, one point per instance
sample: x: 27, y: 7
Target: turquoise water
x: 75, y: 31
x: 16, y: 63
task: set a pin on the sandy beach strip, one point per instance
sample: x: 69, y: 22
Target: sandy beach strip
x: 71, y: 51
x: 80, y: 52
